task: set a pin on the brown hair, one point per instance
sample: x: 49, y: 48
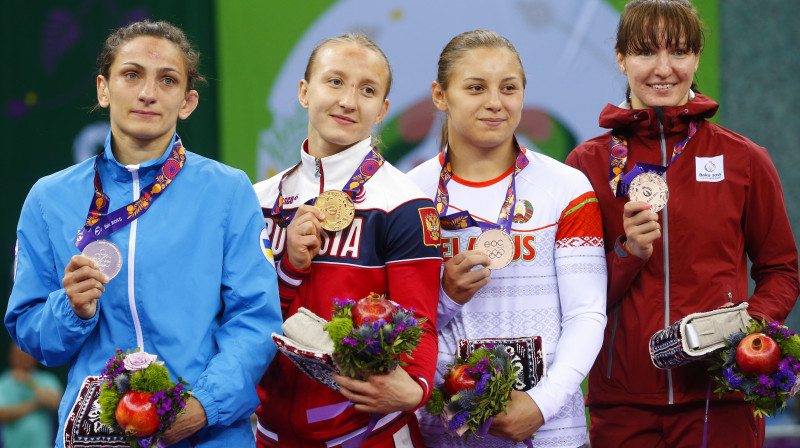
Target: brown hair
x: 456, y: 48
x: 354, y: 38
x: 164, y: 30
x: 645, y: 24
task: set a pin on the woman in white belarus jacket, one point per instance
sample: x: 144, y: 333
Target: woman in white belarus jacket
x: 195, y: 286
x: 555, y: 283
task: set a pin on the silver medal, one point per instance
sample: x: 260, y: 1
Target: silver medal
x: 107, y: 256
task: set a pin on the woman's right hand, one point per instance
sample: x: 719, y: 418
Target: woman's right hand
x: 641, y: 228
x: 459, y: 281
x: 84, y: 284
x: 303, y: 236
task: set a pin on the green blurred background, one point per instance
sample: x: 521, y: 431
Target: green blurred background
x: 49, y: 50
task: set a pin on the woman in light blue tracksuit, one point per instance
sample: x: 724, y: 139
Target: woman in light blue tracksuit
x: 197, y: 286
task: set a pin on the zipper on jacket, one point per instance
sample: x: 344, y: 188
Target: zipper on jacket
x: 134, y: 170
x: 320, y: 173
x: 665, y: 238
x: 611, y: 343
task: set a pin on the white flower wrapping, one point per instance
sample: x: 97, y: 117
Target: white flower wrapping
x: 138, y: 361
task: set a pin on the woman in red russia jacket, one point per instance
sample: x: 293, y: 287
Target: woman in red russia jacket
x: 725, y: 205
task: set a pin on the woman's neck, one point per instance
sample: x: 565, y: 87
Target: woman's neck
x: 482, y: 164
x: 132, y: 151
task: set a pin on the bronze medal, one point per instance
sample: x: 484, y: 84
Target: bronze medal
x: 338, y: 208
x: 498, y: 246
x: 650, y: 188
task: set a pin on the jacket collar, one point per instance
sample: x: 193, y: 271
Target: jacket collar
x: 122, y: 172
x: 644, y: 122
x: 333, y: 170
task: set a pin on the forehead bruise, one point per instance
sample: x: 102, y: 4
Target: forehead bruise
x: 152, y: 49
x: 348, y: 57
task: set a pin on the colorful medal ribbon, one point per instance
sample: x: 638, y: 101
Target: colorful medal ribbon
x: 619, y: 160
x: 463, y: 219
x: 366, y: 169
x: 99, y: 223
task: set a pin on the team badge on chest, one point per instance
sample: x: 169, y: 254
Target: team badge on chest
x: 431, y: 228
x: 523, y: 210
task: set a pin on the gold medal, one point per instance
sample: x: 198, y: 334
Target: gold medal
x: 498, y: 246
x: 650, y: 188
x: 338, y: 208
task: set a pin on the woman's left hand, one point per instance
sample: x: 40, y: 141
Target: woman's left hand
x: 521, y: 419
x: 382, y: 393
x: 188, y: 423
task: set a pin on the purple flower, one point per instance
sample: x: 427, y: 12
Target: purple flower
x: 481, y: 366
x: 342, y: 303
x: 458, y: 420
x: 733, y: 380
x: 481, y: 386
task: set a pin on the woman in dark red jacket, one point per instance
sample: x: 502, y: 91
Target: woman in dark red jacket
x: 725, y: 205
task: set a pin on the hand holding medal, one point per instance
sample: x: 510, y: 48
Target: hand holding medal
x: 338, y: 208
x: 651, y: 189
x: 336, y: 205
x: 106, y: 255
x: 84, y: 286
x: 498, y: 246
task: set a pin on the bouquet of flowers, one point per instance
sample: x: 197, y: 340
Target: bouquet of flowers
x: 370, y: 335
x: 763, y: 364
x: 138, y: 398
x: 474, y: 391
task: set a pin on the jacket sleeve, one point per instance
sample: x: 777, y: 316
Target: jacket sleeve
x: 769, y: 242
x: 622, y: 266
x: 39, y: 316
x: 413, y: 264
x: 289, y: 280
x: 447, y: 309
x: 226, y: 388
x: 581, y: 274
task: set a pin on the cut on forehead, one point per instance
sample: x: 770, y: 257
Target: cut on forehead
x: 162, y: 51
x: 647, y: 24
x: 162, y: 30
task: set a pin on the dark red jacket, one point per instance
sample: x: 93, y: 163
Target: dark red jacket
x: 708, y: 231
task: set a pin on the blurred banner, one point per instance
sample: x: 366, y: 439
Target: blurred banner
x: 254, y: 53
x: 567, y: 50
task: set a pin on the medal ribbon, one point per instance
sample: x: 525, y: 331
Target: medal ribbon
x: 366, y: 169
x: 461, y: 220
x: 99, y: 223
x: 619, y: 160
